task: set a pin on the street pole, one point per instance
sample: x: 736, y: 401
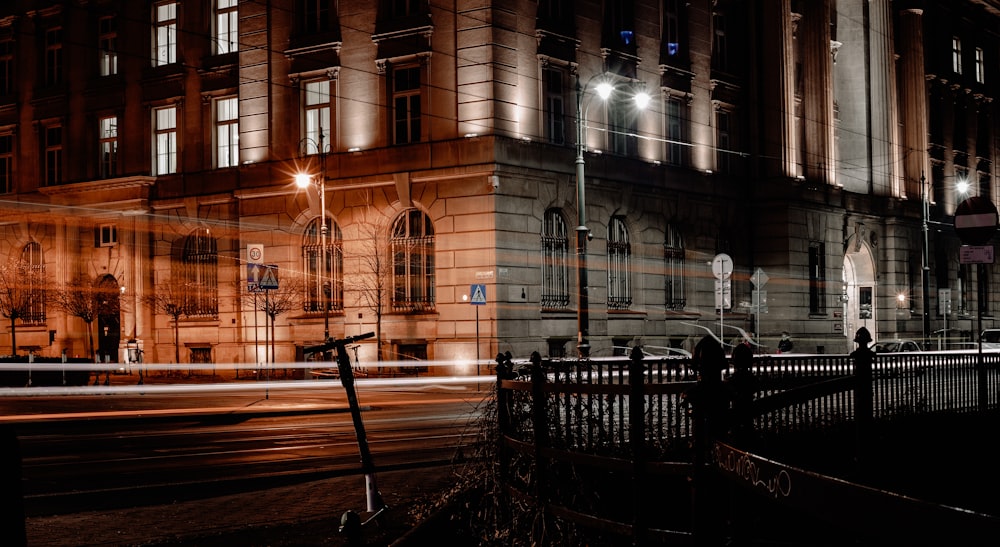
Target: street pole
x: 926, y: 263
x: 582, y: 302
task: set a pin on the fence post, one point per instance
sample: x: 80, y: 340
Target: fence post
x: 12, y: 527
x: 637, y: 442
x: 863, y: 393
x: 540, y: 425
x: 504, y: 372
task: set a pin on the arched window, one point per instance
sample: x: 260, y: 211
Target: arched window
x: 619, y: 255
x: 34, y: 284
x: 200, y: 262
x: 555, y: 251
x: 412, y: 246
x: 330, y: 278
x: 673, y: 270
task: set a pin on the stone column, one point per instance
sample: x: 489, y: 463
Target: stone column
x: 817, y: 66
x: 913, y: 93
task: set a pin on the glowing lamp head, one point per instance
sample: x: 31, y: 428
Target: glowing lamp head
x: 604, y: 90
x: 303, y: 180
x: 642, y: 100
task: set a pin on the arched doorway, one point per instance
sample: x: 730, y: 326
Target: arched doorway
x: 108, y: 319
x: 859, y: 290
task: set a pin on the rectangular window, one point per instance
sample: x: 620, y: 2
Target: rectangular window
x: 108, y: 142
x: 106, y: 235
x: 956, y: 54
x: 165, y: 34
x: 53, y: 155
x: 722, y: 141
x: 315, y: 16
x: 226, y: 26
x: 980, y: 66
x: 227, y: 133
x: 675, y: 131
x: 317, y: 117
x: 404, y: 8
x: 165, y: 140
x: 53, y: 56
x: 623, y: 125
x: 817, y: 278
x: 406, y: 105
x: 671, y: 27
x: 6, y: 67
x: 6, y: 164
x: 555, y: 126
x: 720, y: 53
x: 673, y: 257
x: 106, y: 48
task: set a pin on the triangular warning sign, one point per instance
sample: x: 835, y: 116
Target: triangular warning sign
x: 269, y: 279
x: 479, y: 294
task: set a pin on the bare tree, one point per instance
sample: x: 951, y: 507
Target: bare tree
x: 289, y: 296
x: 21, y: 295
x: 83, y: 297
x: 373, y: 278
x: 169, y: 299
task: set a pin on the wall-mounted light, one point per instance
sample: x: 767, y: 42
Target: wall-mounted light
x: 354, y: 149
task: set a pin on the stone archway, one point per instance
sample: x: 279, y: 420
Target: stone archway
x: 108, y: 319
x: 860, y: 290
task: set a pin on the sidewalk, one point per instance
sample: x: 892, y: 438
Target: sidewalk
x: 306, y: 514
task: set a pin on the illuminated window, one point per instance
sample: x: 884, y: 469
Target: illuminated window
x: 980, y: 66
x: 200, y: 262
x: 619, y: 257
x: 165, y: 140
x: 33, y: 287
x: 316, y: 116
x: 226, y: 26
x: 227, y: 133
x: 956, y: 54
x: 412, y: 246
x: 671, y: 27
x: 555, y: 257
x: 165, y: 33
x: 327, y: 282
x: 108, y: 144
x: 107, y: 51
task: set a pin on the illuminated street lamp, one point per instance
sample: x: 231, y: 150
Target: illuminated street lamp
x: 304, y: 180
x: 604, y: 91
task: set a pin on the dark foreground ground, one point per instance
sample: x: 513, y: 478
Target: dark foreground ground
x: 306, y: 514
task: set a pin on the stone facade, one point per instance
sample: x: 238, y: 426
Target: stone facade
x: 798, y: 138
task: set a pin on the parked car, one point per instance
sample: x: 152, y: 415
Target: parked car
x: 897, y: 346
x: 991, y: 339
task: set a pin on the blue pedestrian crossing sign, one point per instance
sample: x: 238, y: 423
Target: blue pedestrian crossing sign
x: 478, y: 294
x: 269, y: 278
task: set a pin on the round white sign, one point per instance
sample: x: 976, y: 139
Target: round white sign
x: 722, y: 266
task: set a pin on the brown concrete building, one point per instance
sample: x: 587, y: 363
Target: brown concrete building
x: 146, y: 148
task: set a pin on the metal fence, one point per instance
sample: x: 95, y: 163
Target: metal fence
x: 630, y: 417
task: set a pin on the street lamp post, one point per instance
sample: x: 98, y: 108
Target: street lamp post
x: 582, y: 299
x: 926, y: 263
x: 303, y: 180
x: 604, y: 90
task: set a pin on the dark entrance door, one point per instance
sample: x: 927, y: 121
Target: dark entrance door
x: 108, y: 319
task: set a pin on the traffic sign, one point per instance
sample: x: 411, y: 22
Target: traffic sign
x: 478, y: 294
x: 975, y: 254
x: 255, y: 253
x: 723, y: 294
x: 254, y: 272
x: 722, y: 266
x: 759, y: 278
x: 269, y: 279
x: 976, y: 220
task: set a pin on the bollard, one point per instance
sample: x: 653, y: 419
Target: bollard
x: 637, y: 441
